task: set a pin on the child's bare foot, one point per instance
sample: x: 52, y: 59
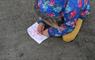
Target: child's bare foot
x: 40, y: 28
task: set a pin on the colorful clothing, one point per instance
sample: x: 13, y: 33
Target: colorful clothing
x: 71, y: 10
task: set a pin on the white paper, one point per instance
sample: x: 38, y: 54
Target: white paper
x: 33, y: 33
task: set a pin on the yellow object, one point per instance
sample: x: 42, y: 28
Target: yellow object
x: 71, y: 36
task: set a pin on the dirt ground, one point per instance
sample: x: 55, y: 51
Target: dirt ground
x: 15, y: 44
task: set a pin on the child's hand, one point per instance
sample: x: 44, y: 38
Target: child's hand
x: 45, y: 33
x: 55, y: 25
x: 52, y: 23
x: 40, y: 28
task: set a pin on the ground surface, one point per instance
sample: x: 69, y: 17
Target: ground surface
x: 15, y: 44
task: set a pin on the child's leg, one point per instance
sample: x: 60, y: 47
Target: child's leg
x: 52, y: 32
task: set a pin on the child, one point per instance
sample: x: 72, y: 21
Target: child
x: 58, y: 17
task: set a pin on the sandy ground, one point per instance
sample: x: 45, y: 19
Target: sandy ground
x: 15, y: 44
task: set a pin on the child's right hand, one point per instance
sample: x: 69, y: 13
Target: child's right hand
x: 40, y: 28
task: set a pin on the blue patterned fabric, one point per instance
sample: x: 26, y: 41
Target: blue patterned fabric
x: 71, y: 10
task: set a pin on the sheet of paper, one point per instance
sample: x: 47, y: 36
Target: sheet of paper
x: 33, y: 33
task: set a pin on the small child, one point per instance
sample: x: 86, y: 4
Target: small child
x: 59, y: 17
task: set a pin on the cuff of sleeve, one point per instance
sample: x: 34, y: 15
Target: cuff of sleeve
x: 40, y: 21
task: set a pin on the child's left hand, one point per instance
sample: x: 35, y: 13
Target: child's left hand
x: 52, y: 23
